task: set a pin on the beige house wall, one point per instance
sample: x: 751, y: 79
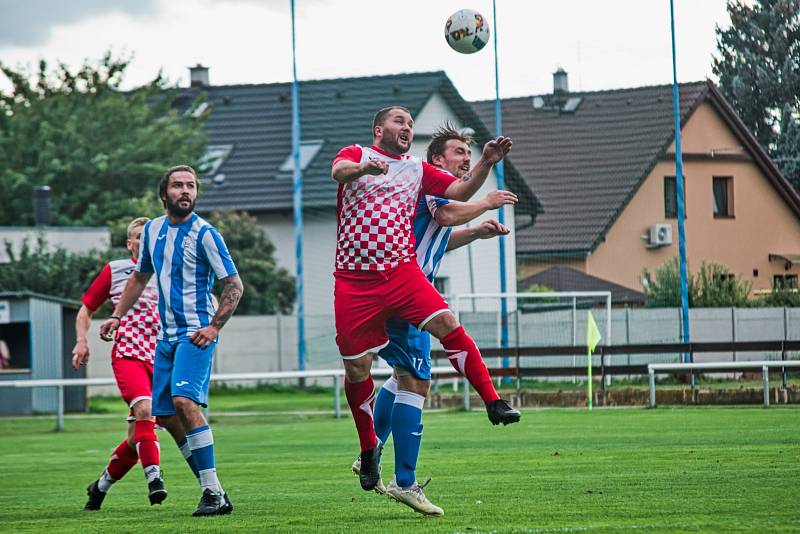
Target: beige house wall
x: 762, y: 222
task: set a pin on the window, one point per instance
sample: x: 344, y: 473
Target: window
x: 442, y: 284
x: 212, y: 160
x: 308, y: 149
x: 723, y: 196
x: 784, y: 281
x: 671, y: 197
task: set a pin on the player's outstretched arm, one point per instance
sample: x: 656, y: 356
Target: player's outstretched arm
x: 345, y: 171
x: 228, y: 301
x: 133, y: 290
x: 456, y: 213
x: 486, y: 230
x: 493, y: 152
x: 80, y: 354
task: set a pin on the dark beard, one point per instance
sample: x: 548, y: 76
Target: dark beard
x: 176, y: 211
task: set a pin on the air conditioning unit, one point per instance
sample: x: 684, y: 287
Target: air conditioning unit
x: 660, y: 235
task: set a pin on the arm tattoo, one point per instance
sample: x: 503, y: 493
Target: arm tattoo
x: 228, y: 301
x: 467, y: 177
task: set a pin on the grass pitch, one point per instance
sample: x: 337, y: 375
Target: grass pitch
x: 664, y: 470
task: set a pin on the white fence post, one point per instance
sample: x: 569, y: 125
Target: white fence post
x: 765, y: 370
x: 60, y: 417
x: 652, y: 374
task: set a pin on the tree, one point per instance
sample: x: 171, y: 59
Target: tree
x: 268, y: 288
x: 758, y: 67
x: 101, y: 150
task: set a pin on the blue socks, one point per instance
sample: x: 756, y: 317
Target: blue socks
x: 407, y: 432
x: 399, y: 413
x: 201, y: 444
x: 183, y: 445
x: 382, y: 412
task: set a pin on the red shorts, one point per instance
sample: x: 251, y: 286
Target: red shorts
x: 134, y: 378
x: 364, y: 300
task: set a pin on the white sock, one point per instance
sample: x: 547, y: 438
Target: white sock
x: 209, y: 480
x: 152, y: 472
x: 105, y: 482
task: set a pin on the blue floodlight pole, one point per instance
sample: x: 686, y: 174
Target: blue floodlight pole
x: 679, y: 183
x: 297, y: 201
x: 501, y: 184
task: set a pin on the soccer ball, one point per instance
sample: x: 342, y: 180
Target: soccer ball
x: 466, y: 31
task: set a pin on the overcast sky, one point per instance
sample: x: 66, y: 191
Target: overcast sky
x: 602, y: 45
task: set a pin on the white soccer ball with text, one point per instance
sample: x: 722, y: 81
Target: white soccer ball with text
x: 466, y: 31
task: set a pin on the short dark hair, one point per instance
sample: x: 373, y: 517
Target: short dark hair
x: 162, y: 185
x: 441, y: 136
x: 380, y: 116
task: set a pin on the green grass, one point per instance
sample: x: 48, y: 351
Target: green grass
x: 320, y: 399
x: 664, y: 470
x: 263, y: 398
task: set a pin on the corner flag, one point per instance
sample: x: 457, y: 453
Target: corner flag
x: 593, y: 337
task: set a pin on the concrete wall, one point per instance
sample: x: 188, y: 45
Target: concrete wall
x: 267, y: 343
x: 76, y: 240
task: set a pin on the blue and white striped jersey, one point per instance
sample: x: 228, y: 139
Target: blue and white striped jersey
x: 184, y: 259
x: 431, y: 239
x: 431, y: 243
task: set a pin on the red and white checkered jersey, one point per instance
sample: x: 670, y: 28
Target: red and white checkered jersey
x: 137, y: 334
x: 376, y: 213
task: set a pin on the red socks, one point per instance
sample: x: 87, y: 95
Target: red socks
x: 121, y: 461
x: 361, y: 398
x: 467, y: 360
x: 144, y: 435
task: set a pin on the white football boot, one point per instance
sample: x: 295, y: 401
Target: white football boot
x: 413, y: 497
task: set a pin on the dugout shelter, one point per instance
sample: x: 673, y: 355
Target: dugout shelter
x: 40, y: 333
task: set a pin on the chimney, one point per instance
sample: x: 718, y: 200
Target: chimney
x: 560, y: 83
x: 198, y: 76
x: 42, y: 209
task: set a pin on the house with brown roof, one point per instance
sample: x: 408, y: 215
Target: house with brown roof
x: 603, y: 167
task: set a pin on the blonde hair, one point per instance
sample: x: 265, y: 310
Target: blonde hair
x: 137, y: 222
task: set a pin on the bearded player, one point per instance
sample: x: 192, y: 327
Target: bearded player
x: 377, y: 276
x: 185, y: 253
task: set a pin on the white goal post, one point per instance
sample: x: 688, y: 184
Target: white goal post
x: 572, y: 296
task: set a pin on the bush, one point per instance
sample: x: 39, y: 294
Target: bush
x: 713, y: 286
x: 780, y: 298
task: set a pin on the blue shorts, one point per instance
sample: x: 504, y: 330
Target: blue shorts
x: 408, y: 348
x: 180, y: 369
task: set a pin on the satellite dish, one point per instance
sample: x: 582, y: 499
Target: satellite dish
x: 538, y: 102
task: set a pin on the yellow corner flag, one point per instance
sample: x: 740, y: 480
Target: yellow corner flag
x: 593, y: 337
